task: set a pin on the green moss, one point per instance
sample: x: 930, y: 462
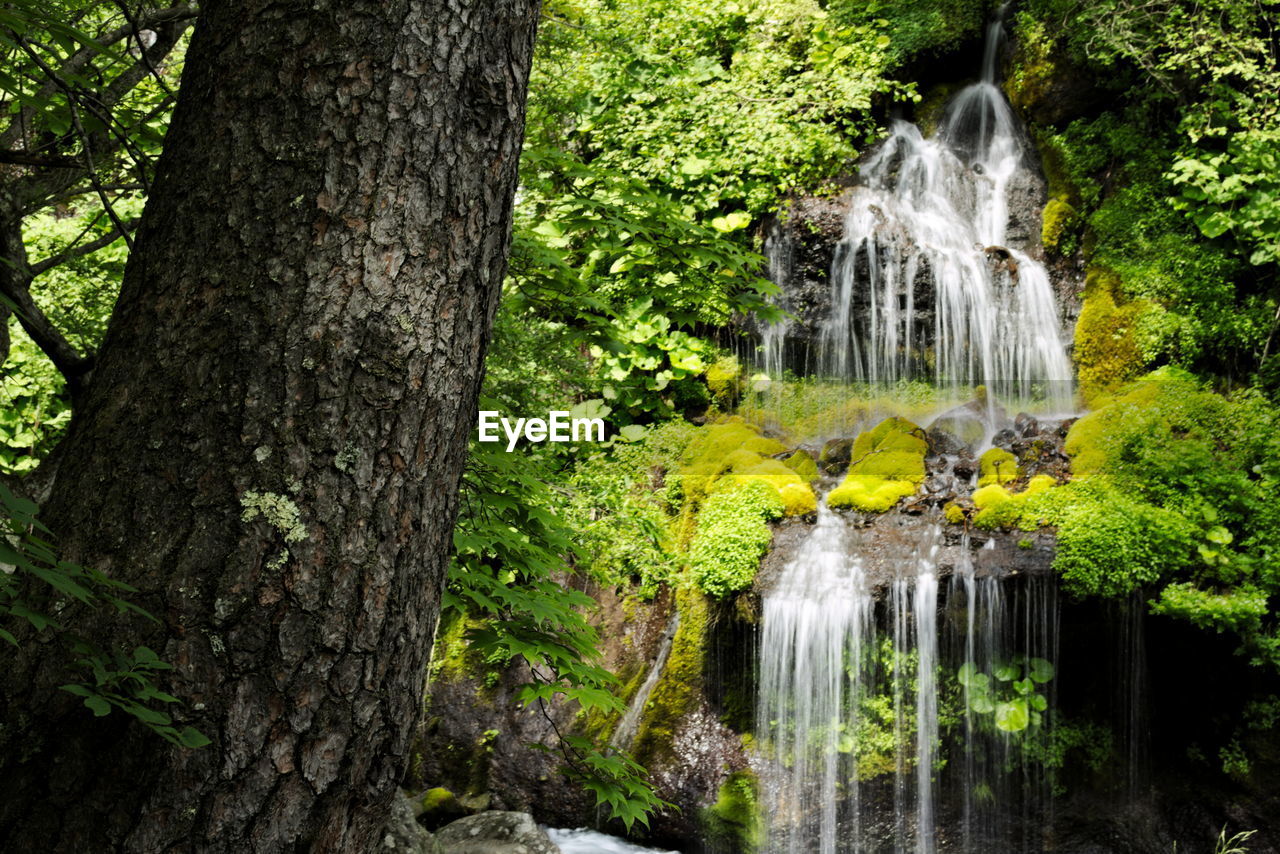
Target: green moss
x: 1029, y: 81
x: 798, y: 499
x: 724, y: 381
x: 1089, y: 439
x: 679, y: 689
x: 887, y: 464
x: 452, y: 656
x: 732, y: 453
x: 989, y: 496
x: 803, y: 464
x: 870, y: 493
x: 1107, y: 350
x: 999, y: 508
x: 997, y: 466
x: 1057, y: 219
x: 436, y: 799
x: 735, y: 822
x: 732, y: 535
x: 954, y: 513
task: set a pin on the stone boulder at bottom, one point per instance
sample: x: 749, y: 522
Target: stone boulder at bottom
x: 494, y: 832
x: 403, y: 834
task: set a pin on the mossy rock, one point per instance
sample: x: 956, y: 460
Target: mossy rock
x: 953, y: 513
x: 803, y: 464
x: 735, y: 822
x: 679, y: 689
x: 1058, y: 218
x: 1086, y: 439
x: 997, y: 466
x: 887, y: 465
x: 999, y: 508
x: 1107, y: 351
x: 835, y: 455
x: 438, y: 807
x: 731, y: 453
x: 725, y: 382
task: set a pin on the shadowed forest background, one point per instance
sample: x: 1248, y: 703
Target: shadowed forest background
x: 937, y: 342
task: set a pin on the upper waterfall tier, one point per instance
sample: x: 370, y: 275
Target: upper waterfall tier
x: 930, y: 280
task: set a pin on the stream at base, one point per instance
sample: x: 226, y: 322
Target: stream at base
x: 584, y: 841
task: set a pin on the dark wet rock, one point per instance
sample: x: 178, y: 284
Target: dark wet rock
x: 1025, y: 425
x: 965, y: 467
x: 971, y: 422
x: 1004, y: 439
x: 942, y: 442
x: 1027, y: 194
x: 495, y: 832
x: 835, y: 455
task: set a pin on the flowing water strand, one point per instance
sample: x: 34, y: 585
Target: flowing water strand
x: 926, y: 619
x: 816, y: 625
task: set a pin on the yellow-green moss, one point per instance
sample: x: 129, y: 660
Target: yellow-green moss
x: 997, y: 507
x: 438, y: 799
x: 1085, y: 440
x: 1057, y: 218
x: 732, y: 453
x: 953, y: 512
x: 798, y: 499
x: 990, y: 495
x: 997, y: 466
x: 887, y: 464
x: 735, y: 822
x: 679, y: 689
x: 803, y: 464
x: 1107, y: 351
x: 724, y: 381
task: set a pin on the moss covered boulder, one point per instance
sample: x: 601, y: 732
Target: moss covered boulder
x: 887, y: 464
x: 732, y: 453
x: 997, y: 466
x: 1107, y: 351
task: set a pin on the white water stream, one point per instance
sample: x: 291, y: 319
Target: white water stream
x: 853, y: 757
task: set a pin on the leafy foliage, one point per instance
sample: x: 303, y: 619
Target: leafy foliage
x: 732, y: 536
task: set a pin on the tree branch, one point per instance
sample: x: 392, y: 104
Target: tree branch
x: 15, y: 284
x: 23, y: 158
x: 78, y: 251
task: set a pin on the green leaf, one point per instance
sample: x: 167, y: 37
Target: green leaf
x: 1012, y: 716
x: 97, y: 705
x: 1040, y: 670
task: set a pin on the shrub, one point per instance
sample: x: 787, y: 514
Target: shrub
x: 731, y: 537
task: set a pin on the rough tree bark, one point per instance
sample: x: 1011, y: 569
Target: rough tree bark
x: 271, y: 445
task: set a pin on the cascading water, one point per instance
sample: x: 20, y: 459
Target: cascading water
x: 816, y: 621
x: 904, y: 714
x: 909, y: 723
x: 927, y: 282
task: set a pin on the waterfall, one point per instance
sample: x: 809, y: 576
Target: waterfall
x: 909, y: 709
x: 926, y: 282
x: 843, y: 680
x: 625, y: 734
x: 816, y: 621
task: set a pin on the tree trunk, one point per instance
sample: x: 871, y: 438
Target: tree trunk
x: 271, y: 445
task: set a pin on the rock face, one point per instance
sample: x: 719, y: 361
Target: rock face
x: 495, y: 832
